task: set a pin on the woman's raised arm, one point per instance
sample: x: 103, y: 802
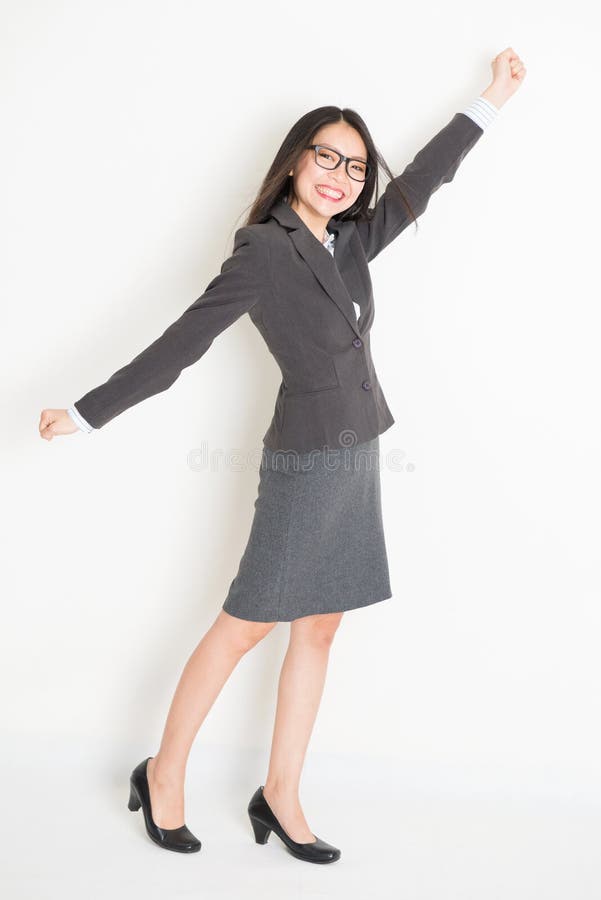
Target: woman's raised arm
x: 438, y: 161
x: 435, y: 164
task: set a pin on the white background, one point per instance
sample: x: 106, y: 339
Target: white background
x: 456, y: 750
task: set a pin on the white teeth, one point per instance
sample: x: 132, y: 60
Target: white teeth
x: 323, y: 190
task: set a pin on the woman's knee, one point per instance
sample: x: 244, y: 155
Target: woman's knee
x: 243, y: 633
x: 319, y: 629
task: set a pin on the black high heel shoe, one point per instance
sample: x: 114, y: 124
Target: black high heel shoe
x: 263, y: 822
x: 180, y: 839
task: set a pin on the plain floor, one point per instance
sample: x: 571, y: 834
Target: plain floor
x: 415, y: 830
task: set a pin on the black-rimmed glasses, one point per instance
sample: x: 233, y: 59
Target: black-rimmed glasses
x: 331, y: 159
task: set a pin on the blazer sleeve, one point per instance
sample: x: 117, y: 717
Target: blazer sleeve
x: 435, y: 164
x: 237, y: 288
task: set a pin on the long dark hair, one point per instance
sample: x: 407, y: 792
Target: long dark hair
x: 277, y: 184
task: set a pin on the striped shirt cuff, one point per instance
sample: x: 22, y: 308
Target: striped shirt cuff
x: 79, y: 420
x: 482, y: 112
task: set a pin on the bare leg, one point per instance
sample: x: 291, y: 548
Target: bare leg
x: 204, y: 674
x: 300, y: 689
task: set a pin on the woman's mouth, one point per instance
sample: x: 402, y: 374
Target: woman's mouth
x: 329, y: 193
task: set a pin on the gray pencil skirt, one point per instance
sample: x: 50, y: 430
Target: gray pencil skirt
x: 316, y: 542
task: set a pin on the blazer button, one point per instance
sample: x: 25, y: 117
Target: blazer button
x: 366, y: 386
x: 357, y: 342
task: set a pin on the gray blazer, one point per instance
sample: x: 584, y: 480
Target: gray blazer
x: 301, y: 300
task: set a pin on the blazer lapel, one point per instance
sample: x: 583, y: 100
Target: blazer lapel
x: 320, y: 260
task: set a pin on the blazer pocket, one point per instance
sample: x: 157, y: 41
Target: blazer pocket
x: 332, y: 384
x: 303, y: 409
x: 323, y: 390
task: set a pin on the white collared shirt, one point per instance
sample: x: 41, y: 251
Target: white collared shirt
x: 329, y: 245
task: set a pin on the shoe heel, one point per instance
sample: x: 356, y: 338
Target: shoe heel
x: 261, y: 831
x: 134, y: 803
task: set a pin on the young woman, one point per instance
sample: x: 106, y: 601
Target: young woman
x: 316, y: 546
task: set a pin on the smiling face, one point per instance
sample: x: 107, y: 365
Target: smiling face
x: 321, y: 193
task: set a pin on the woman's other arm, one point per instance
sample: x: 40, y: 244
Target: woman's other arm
x: 238, y: 287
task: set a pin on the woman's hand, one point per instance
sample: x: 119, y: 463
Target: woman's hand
x: 508, y: 72
x: 56, y: 421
